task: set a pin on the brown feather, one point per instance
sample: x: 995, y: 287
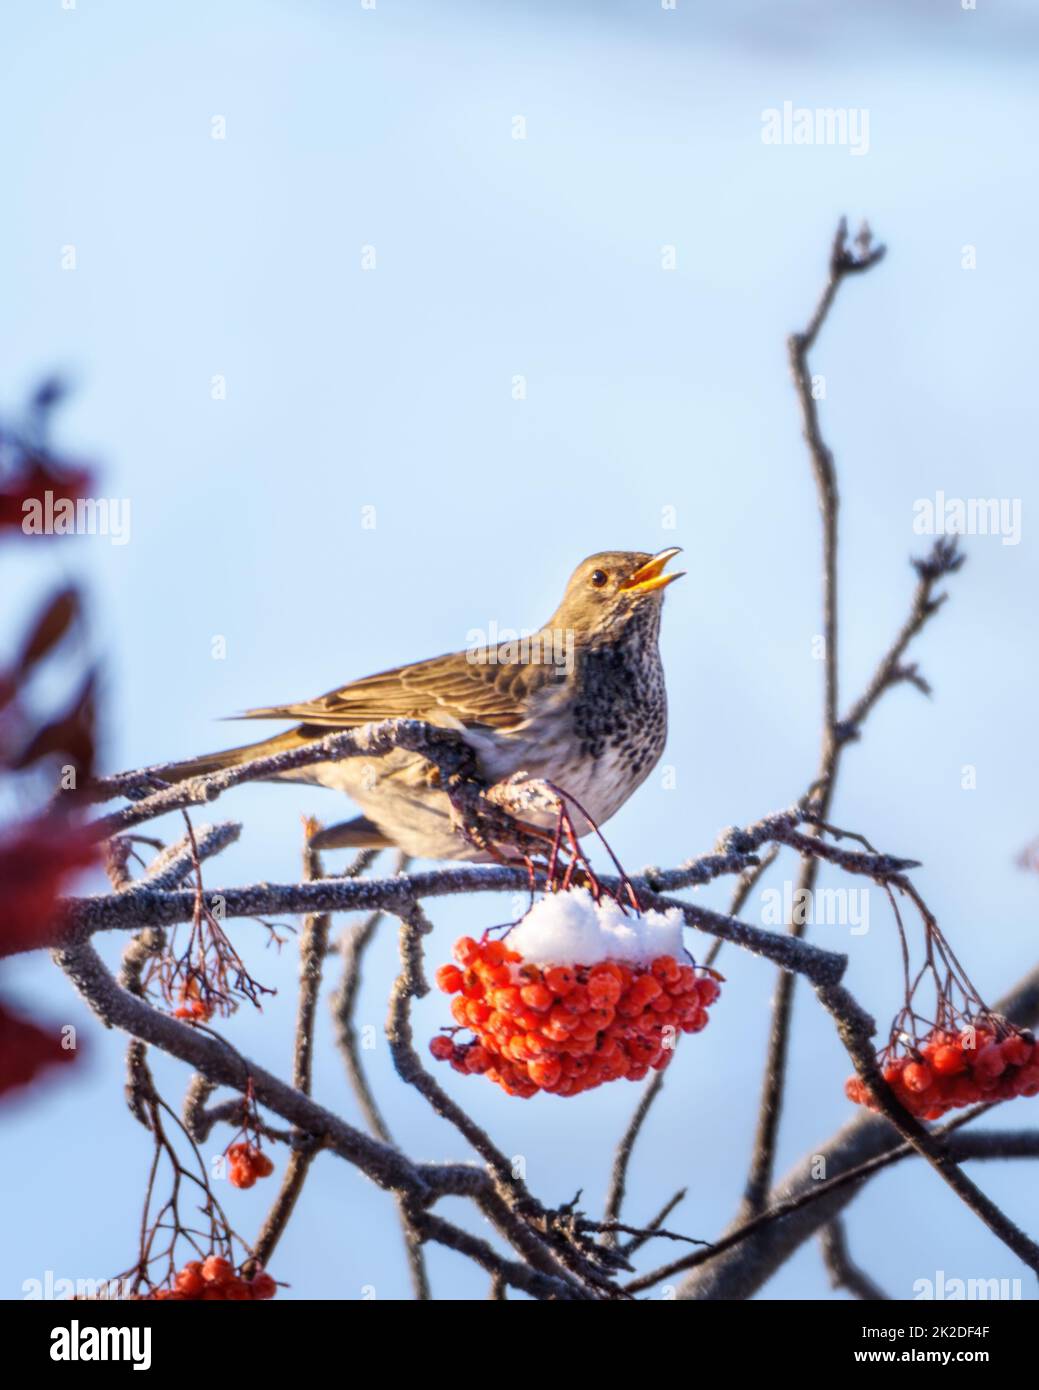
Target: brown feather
x: 472, y: 687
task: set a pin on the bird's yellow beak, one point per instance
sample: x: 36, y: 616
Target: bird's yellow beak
x: 650, y: 576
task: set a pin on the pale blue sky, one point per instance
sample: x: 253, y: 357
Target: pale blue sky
x: 646, y: 390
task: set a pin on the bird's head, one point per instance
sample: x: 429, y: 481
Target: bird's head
x: 609, y: 591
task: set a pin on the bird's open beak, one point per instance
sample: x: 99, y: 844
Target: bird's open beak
x: 650, y: 576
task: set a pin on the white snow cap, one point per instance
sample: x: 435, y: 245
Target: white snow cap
x: 572, y: 929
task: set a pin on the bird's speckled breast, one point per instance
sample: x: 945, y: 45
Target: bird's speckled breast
x: 620, y: 717
x: 600, y: 740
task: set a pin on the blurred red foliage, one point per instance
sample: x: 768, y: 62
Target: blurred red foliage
x: 51, y: 752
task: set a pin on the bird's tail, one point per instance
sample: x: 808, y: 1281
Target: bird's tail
x: 216, y: 762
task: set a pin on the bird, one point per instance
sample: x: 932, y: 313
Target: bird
x: 579, y: 703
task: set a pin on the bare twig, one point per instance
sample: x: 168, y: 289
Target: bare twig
x: 836, y: 733
x: 844, y: 1272
x: 353, y: 946
x: 629, y: 1247
x: 313, y: 947
x: 619, y: 1175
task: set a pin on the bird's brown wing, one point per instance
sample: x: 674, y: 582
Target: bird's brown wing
x: 473, y: 687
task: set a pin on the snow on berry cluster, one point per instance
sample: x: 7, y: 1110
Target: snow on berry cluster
x: 986, y: 1061
x: 246, y: 1163
x: 214, y: 1278
x: 562, y: 928
x: 575, y: 998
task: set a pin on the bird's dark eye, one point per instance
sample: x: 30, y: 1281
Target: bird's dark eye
x: 599, y: 578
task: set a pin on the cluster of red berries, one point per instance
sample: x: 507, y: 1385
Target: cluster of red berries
x: 212, y: 1278
x: 566, y: 1028
x: 194, y: 1011
x: 246, y: 1163
x: 949, y: 1070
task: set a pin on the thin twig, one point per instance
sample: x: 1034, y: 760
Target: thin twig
x: 313, y: 947
x: 354, y: 943
x: 619, y: 1175
x: 835, y: 733
x: 844, y: 1272
x: 629, y: 1247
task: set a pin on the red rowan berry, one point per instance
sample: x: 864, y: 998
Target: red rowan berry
x: 948, y: 1059
x: 1016, y: 1050
x: 189, y: 1281
x: 449, y: 978
x: 917, y: 1076
x: 537, y: 996
x: 604, y: 989
x: 477, y: 1058
x: 855, y: 1089
x: 216, y: 1270
x: 577, y: 1000
x: 477, y: 1012
x: 686, y: 979
x: 472, y: 986
x: 989, y: 1062
x: 466, y: 950
x: 545, y: 1071
x: 645, y: 989
x: 507, y: 1000
x: 708, y: 990
x: 241, y: 1174
x: 696, y: 1022
x: 262, y: 1285
x: 559, y: 979
x: 666, y: 969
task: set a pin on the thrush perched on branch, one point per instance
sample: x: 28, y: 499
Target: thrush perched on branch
x: 580, y: 704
